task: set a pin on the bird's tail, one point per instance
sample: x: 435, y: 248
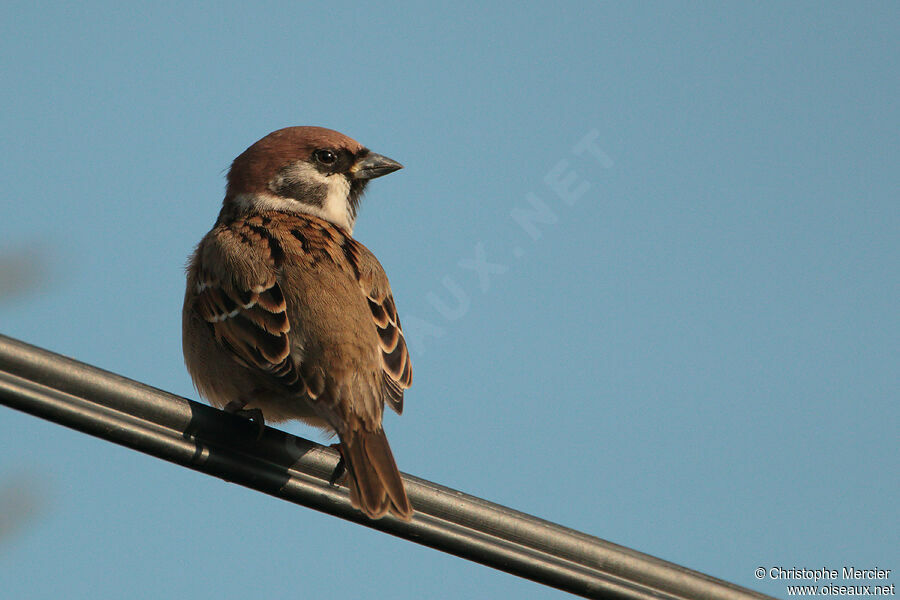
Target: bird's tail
x: 374, y: 481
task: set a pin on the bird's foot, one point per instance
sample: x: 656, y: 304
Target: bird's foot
x: 254, y: 415
x: 340, y: 469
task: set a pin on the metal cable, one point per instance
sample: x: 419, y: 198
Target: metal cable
x: 202, y: 438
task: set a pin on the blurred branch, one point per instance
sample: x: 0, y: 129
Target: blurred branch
x: 197, y: 436
x: 21, y: 500
x: 21, y: 272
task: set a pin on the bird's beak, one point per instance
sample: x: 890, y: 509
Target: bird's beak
x: 373, y: 165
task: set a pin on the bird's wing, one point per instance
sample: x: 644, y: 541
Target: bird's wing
x: 395, y: 362
x: 238, y: 295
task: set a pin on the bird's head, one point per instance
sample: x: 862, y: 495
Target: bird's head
x: 309, y: 170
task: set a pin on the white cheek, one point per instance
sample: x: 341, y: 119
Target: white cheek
x: 336, y: 206
x: 335, y: 209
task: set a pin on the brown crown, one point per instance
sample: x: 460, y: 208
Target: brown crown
x: 254, y: 168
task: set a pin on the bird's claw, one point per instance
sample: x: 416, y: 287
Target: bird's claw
x: 340, y: 469
x: 254, y: 415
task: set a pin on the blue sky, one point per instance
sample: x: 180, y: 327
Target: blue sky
x: 695, y: 356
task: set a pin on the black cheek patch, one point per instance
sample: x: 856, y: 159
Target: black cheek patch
x: 308, y: 192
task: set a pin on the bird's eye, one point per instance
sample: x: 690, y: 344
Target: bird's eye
x: 326, y: 157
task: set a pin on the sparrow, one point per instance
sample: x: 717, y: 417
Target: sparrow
x: 286, y: 316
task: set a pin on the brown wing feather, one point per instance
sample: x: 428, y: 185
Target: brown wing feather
x: 396, y: 367
x: 249, y: 318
